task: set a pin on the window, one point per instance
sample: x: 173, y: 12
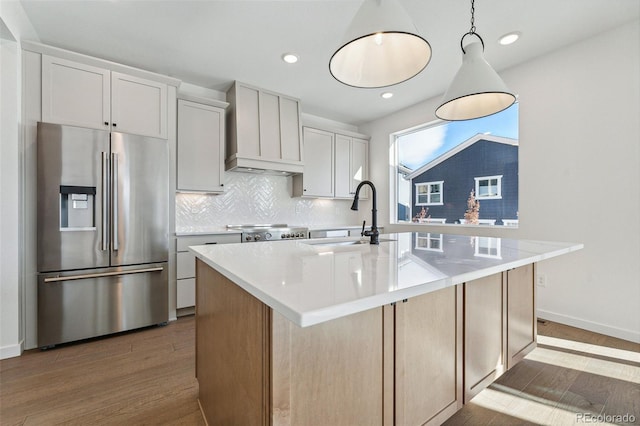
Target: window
x: 476, y: 158
x: 429, y: 193
x: 489, y: 187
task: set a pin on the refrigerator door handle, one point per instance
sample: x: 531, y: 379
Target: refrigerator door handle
x: 103, y: 274
x: 114, y: 199
x: 105, y: 201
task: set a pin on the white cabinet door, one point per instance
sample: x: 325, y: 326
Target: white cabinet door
x: 200, y: 147
x: 318, y: 163
x: 343, y: 167
x: 138, y: 106
x: 186, y: 268
x: 186, y: 293
x: 86, y: 96
x: 351, y: 164
x: 359, y: 166
x: 75, y: 94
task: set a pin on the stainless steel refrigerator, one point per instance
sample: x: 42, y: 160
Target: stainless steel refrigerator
x: 102, y: 233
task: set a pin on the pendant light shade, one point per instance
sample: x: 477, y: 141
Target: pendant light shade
x: 381, y: 47
x: 476, y: 90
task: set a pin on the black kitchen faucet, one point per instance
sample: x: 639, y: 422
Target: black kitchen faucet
x: 373, y: 233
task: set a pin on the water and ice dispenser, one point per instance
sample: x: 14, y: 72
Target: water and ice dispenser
x: 77, y: 208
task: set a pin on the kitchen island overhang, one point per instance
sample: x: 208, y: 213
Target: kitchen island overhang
x: 281, y: 275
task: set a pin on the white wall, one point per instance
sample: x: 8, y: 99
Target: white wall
x: 579, y: 176
x: 10, y: 333
x: 14, y: 27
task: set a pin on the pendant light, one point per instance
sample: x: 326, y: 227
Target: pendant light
x: 476, y: 90
x: 382, y: 47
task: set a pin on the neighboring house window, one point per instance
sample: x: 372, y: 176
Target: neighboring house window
x: 429, y: 193
x: 489, y: 187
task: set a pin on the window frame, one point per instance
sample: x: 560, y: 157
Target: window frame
x: 498, y: 196
x: 440, y: 183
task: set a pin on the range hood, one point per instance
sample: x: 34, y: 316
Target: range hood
x: 264, y: 132
x: 263, y: 166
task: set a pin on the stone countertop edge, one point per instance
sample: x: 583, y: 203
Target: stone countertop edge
x: 316, y: 316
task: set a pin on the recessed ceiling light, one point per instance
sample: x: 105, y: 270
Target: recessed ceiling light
x: 386, y: 95
x: 509, y: 38
x: 290, y: 58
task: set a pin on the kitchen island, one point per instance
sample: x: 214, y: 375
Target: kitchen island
x: 338, y: 331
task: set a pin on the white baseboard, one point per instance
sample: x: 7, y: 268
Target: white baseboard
x: 620, y: 333
x: 11, y: 350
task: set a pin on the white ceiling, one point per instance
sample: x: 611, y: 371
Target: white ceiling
x: 211, y: 43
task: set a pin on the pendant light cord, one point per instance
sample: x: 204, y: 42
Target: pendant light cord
x: 473, y: 19
x: 472, y: 30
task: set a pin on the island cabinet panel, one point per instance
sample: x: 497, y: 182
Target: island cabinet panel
x: 521, y: 314
x: 232, y: 356
x: 330, y: 373
x: 255, y: 367
x: 484, y: 333
x: 428, y: 357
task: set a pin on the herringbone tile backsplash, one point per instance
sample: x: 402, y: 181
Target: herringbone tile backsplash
x: 253, y: 198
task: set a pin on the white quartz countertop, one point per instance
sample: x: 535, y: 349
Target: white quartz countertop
x: 313, y: 281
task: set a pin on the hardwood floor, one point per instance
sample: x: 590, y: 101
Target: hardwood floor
x: 572, y: 377
x: 143, y: 377
x: 147, y: 377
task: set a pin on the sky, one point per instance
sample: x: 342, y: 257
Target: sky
x: 418, y: 148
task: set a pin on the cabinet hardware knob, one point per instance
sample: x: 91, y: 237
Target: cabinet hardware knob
x: 304, y: 190
x: 106, y: 123
x: 114, y: 124
x: 222, y: 184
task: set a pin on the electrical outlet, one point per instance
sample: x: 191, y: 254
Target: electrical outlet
x: 542, y: 280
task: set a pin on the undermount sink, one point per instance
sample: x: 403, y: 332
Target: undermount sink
x: 344, y: 243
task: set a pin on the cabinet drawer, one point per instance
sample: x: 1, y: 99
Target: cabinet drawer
x: 186, y: 293
x: 186, y: 265
x: 183, y: 243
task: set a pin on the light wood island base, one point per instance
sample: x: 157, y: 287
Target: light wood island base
x: 400, y: 364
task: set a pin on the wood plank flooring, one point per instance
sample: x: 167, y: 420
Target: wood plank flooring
x: 147, y: 377
x: 143, y: 377
x: 572, y: 377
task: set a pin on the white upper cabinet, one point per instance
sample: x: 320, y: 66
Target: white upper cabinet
x: 317, y: 179
x: 263, y: 130
x: 75, y: 94
x: 82, y: 95
x: 138, y: 106
x: 200, y: 147
x: 334, y: 165
x: 351, y: 166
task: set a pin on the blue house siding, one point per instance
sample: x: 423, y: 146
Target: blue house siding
x: 483, y: 158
